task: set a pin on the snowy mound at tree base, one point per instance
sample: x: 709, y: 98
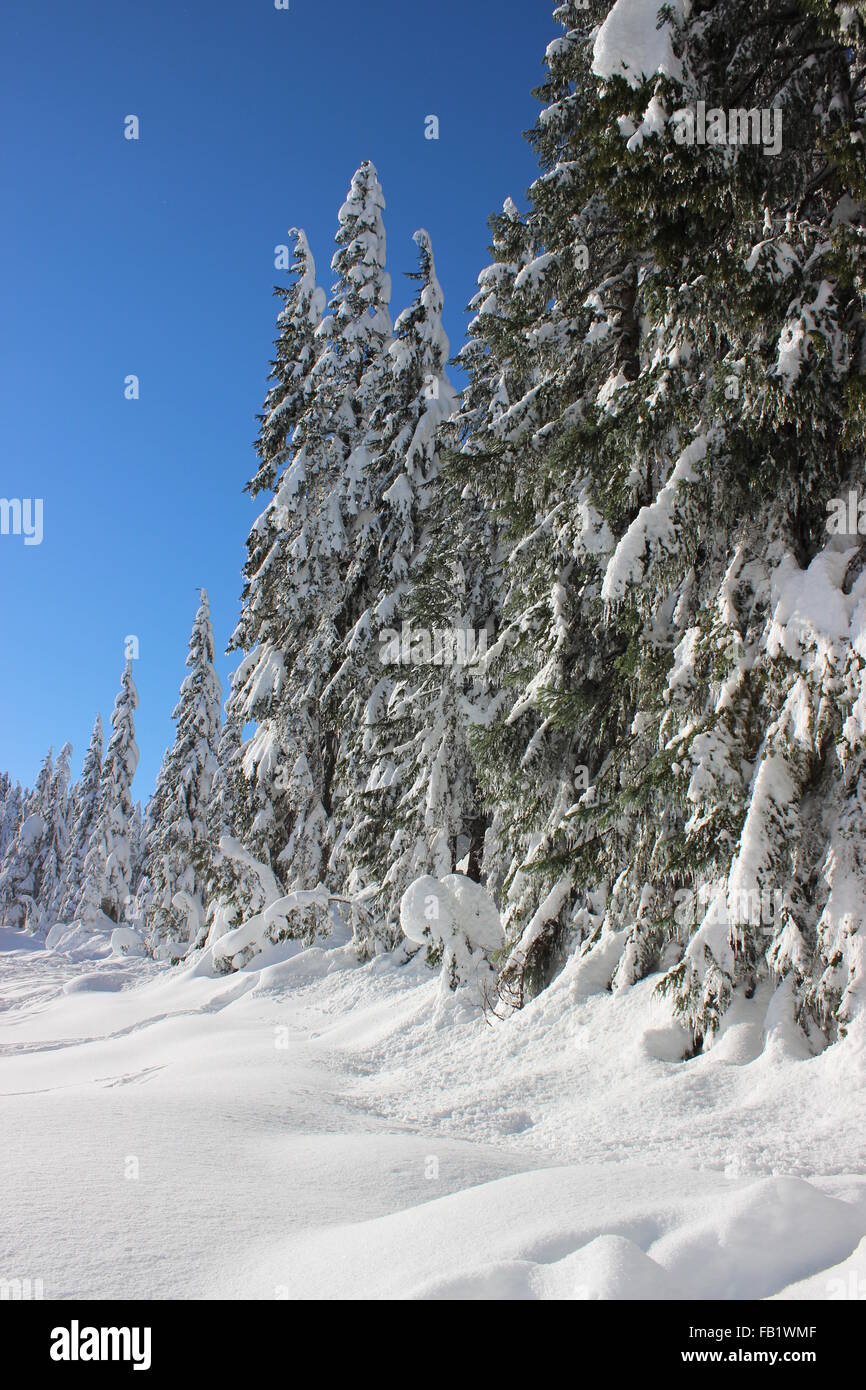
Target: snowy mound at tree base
x: 580, y: 1232
x: 91, y: 939
x: 301, y: 1128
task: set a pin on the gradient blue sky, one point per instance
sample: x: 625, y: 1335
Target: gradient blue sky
x: 156, y: 258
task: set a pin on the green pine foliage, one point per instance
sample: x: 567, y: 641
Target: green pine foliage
x: 673, y: 373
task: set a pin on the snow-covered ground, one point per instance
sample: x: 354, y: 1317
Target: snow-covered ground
x: 314, y: 1128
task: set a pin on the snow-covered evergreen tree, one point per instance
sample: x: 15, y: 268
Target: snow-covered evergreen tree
x: 404, y: 754
x: 85, y: 799
x: 179, y: 854
x: 223, y: 807
x: 12, y: 799
x: 530, y: 440
x: 138, y: 847
x: 295, y: 352
x: 225, y: 812
x: 106, y: 878
x: 297, y: 604
x: 688, y: 348
x: 44, y: 910
x: 262, y: 817
x: 20, y: 877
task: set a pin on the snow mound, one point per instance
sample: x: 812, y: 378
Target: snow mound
x: 80, y: 939
x: 765, y: 1235
x: 127, y: 942
x: 620, y: 1232
x: 609, y: 1267
x: 93, y: 983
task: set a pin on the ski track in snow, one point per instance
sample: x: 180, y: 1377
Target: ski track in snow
x: 305, y: 1129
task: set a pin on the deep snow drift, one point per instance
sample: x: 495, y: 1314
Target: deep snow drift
x: 315, y: 1128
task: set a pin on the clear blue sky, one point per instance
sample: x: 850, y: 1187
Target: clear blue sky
x: 156, y: 258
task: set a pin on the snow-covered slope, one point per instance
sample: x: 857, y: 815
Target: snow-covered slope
x: 305, y: 1129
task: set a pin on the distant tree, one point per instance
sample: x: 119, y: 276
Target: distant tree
x: 107, y: 870
x: 21, y: 874
x: 85, y: 799
x: 178, y: 859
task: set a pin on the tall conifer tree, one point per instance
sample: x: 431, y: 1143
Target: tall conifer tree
x: 179, y: 852
x: 107, y: 885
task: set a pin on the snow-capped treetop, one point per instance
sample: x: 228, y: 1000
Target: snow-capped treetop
x: 363, y: 291
x: 297, y: 323
x: 358, y: 326
x: 11, y: 805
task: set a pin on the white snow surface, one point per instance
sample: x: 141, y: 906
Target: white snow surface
x: 309, y: 1128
